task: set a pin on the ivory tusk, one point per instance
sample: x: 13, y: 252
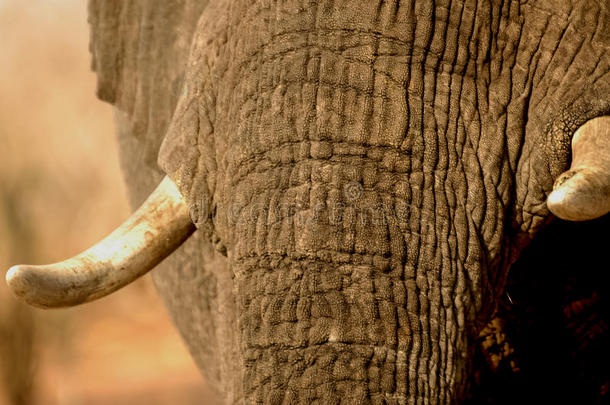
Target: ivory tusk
x: 583, y: 192
x: 153, y: 232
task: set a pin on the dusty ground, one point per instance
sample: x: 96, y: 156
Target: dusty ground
x: 61, y: 190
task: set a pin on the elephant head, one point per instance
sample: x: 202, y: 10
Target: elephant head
x: 361, y: 174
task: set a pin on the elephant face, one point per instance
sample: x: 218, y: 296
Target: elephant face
x: 414, y: 146
x: 362, y: 175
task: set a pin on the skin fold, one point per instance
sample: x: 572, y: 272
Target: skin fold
x: 362, y: 176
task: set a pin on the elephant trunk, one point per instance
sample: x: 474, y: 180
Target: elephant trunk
x: 358, y: 184
x: 342, y: 300
x: 154, y: 231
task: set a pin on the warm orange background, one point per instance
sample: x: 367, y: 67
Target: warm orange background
x: 60, y: 191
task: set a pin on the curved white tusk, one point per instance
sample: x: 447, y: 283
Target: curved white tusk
x: 583, y: 192
x: 154, y: 231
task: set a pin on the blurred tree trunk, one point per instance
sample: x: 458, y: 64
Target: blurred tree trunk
x: 16, y: 319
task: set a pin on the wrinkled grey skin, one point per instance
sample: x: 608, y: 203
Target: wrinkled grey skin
x: 414, y: 142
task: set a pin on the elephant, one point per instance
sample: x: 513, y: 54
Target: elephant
x: 344, y: 186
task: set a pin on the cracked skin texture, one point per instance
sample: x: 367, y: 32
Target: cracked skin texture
x: 449, y: 119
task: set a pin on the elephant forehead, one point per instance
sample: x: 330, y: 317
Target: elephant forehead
x: 416, y: 32
x: 357, y: 74
x: 410, y: 89
x: 386, y: 74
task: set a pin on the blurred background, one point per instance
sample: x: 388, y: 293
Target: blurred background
x: 60, y: 191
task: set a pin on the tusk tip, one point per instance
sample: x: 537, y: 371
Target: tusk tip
x: 576, y: 197
x: 28, y: 283
x: 18, y: 280
x: 558, y: 204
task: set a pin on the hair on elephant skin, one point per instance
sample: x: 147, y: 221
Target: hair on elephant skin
x: 363, y: 176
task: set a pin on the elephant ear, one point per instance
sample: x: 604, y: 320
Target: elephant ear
x: 190, y: 149
x: 139, y: 51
